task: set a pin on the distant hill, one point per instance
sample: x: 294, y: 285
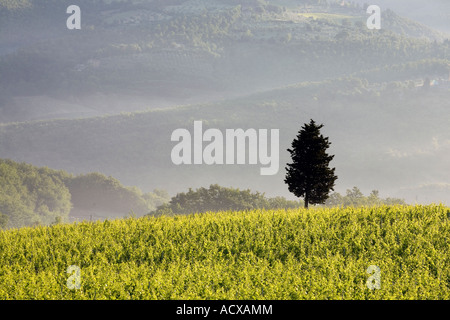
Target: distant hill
x: 41, y: 196
x: 140, y: 55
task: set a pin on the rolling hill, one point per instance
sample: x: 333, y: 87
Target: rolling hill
x: 32, y: 196
x: 139, y: 55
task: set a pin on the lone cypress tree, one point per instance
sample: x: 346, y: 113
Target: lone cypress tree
x: 309, y: 175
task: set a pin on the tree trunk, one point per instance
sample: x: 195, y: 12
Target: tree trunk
x: 306, y: 200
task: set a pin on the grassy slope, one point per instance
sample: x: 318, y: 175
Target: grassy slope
x: 296, y: 254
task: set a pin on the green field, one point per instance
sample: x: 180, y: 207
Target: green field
x: 293, y: 254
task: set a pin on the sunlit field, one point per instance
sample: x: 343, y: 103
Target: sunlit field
x: 284, y: 254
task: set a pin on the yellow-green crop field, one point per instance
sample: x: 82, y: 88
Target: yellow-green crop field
x: 293, y: 254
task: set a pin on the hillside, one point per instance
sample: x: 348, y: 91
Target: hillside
x: 274, y: 255
x: 140, y: 55
x: 31, y: 196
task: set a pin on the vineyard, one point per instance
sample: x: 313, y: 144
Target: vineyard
x: 285, y: 254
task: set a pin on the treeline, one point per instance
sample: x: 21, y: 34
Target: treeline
x: 355, y: 198
x: 40, y: 196
x: 217, y: 198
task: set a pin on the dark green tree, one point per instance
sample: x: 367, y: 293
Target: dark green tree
x: 309, y: 174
